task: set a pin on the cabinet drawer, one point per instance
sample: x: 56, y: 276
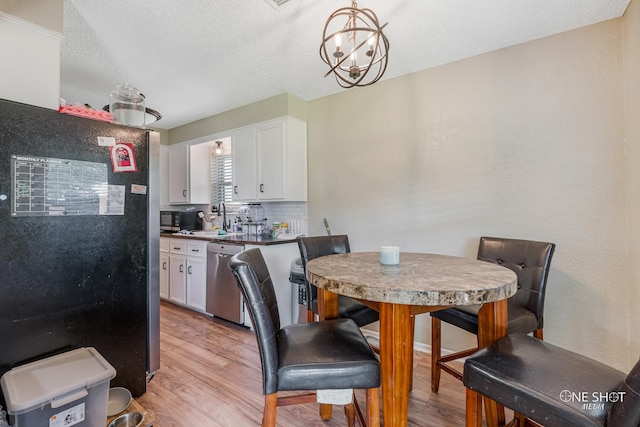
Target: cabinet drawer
x: 178, y: 247
x: 165, y: 245
x: 197, y: 249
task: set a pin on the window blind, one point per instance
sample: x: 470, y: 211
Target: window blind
x: 221, y: 175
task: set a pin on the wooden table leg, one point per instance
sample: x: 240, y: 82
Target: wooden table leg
x: 492, y: 325
x: 327, y: 309
x: 396, y: 347
x: 327, y: 304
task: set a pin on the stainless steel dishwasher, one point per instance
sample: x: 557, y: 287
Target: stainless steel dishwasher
x: 224, y: 299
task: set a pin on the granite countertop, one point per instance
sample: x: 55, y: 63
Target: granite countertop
x: 244, y: 239
x: 420, y: 279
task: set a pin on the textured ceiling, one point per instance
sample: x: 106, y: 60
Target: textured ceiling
x: 202, y: 57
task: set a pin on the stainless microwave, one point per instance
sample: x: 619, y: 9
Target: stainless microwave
x: 169, y: 220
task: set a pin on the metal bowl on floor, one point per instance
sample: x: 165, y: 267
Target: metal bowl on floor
x: 131, y: 419
x: 119, y: 400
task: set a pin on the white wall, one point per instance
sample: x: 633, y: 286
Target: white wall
x: 632, y: 131
x: 30, y: 65
x: 526, y: 142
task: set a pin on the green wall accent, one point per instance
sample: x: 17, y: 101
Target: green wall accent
x: 281, y: 105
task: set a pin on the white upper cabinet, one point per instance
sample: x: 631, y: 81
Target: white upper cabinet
x: 270, y: 161
x: 243, y: 160
x: 178, y: 174
x: 189, y: 174
x: 271, y: 139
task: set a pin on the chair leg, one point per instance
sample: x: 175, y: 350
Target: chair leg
x: 270, y: 407
x: 350, y: 413
x: 538, y: 333
x: 373, y: 407
x: 359, y: 415
x: 435, y: 353
x: 473, y: 416
x: 501, y: 416
x: 494, y: 412
x: 520, y: 419
x: 311, y: 316
x: 325, y: 411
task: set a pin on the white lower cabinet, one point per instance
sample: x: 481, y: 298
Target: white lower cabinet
x: 164, y: 268
x: 187, y: 273
x: 196, y: 275
x: 177, y: 271
x: 183, y: 274
x: 164, y: 276
x: 177, y: 282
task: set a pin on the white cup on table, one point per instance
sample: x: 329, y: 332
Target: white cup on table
x: 390, y: 255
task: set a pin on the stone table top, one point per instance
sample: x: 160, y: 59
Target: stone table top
x: 419, y: 279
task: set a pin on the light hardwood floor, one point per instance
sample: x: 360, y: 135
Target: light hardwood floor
x: 210, y: 376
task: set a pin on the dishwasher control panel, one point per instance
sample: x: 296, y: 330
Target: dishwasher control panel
x: 225, y: 248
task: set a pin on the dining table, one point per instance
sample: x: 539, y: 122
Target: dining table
x: 419, y: 283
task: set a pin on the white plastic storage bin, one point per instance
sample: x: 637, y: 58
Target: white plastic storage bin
x: 69, y: 389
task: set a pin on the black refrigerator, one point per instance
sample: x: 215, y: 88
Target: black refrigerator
x: 79, y: 241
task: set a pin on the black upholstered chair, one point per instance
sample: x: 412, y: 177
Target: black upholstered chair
x: 325, y: 355
x: 550, y: 385
x: 530, y: 260
x: 317, y: 246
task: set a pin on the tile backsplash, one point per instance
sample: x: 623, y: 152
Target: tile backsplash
x: 294, y: 213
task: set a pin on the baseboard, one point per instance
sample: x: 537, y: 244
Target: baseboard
x: 374, y: 338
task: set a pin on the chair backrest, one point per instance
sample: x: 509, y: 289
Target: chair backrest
x: 256, y: 286
x: 317, y: 246
x: 530, y: 260
x: 626, y: 411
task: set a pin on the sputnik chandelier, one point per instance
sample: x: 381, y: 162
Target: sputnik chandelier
x: 354, y: 46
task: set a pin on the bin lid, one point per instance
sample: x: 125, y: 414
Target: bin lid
x: 296, y: 275
x: 34, y: 384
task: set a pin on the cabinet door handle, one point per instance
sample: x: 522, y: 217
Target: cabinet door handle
x: 189, y: 270
x: 235, y: 189
x: 184, y: 193
x: 164, y: 265
x: 195, y: 250
x: 262, y: 188
x: 181, y: 268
